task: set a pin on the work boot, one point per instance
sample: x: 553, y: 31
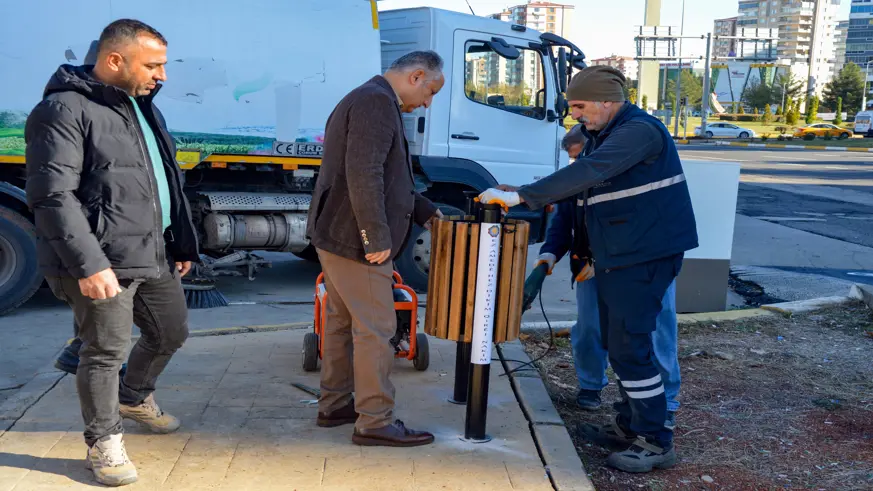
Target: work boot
x: 68, y: 360
x: 670, y: 422
x: 342, y: 416
x: 393, y: 435
x: 610, y: 436
x: 588, y: 400
x: 642, y: 456
x: 149, y: 414
x: 108, y: 460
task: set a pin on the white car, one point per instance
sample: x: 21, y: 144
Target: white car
x: 716, y: 130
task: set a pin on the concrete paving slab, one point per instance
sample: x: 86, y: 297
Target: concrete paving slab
x: 246, y: 427
x: 15, y: 406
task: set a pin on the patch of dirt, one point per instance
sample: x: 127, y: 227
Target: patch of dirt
x: 767, y: 403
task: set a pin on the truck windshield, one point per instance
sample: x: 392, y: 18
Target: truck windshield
x: 516, y: 86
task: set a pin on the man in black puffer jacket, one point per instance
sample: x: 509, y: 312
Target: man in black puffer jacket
x: 114, y: 231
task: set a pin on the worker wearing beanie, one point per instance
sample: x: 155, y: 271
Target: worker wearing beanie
x: 640, y: 223
x: 567, y: 235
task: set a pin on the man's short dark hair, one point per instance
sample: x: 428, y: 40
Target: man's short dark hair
x: 573, y: 137
x: 125, y: 31
x: 430, y: 61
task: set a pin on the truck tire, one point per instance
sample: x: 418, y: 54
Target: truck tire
x: 308, y: 254
x: 413, y: 262
x: 19, y: 270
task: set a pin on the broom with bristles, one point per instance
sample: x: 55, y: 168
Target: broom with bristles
x: 200, y: 291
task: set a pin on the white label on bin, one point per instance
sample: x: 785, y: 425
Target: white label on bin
x: 486, y: 291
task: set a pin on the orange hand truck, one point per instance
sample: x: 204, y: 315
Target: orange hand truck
x: 407, y: 343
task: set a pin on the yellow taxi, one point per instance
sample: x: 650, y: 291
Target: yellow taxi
x: 822, y: 130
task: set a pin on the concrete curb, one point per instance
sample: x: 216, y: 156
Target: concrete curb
x: 727, y: 315
x: 559, y: 456
x: 801, y: 306
x: 225, y: 331
x: 777, y: 145
x: 863, y: 293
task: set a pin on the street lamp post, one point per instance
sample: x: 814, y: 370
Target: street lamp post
x: 678, y: 75
x: 864, y: 95
x: 782, y: 106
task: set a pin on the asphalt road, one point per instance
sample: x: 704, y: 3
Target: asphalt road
x: 826, y: 193
x: 844, y: 170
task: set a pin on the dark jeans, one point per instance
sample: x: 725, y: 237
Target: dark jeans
x: 630, y: 300
x: 157, y: 306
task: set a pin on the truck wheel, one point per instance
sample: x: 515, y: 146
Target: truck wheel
x: 308, y: 254
x: 19, y: 270
x: 413, y: 262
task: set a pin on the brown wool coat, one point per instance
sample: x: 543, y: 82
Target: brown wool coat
x: 365, y: 199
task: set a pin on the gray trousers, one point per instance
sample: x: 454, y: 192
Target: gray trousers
x: 157, y: 307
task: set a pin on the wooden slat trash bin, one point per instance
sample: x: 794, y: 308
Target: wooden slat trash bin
x: 452, y: 278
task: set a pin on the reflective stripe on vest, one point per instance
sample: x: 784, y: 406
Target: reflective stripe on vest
x: 627, y: 193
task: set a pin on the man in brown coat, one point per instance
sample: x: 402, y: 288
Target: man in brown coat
x: 361, y: 214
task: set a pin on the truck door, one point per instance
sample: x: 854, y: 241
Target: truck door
x: 499, y: 107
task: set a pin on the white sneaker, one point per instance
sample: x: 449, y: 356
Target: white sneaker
x: 109, y: 462
x: 149, y: 414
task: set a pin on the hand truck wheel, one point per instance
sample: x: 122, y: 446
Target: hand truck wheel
x: 422, y: 352
x: 310, y: 352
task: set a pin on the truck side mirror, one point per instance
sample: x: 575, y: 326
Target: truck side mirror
x: 562, y: 70
x: 502, y: 48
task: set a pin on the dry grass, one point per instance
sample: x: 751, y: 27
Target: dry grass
x: 767, y: 403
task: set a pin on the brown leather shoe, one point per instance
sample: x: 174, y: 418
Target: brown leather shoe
x: 393, y: 435
x: 342, y: 416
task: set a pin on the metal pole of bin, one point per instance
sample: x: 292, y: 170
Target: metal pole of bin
x: 462, y: 349
x: 483, y: 323
x: 462, y: 373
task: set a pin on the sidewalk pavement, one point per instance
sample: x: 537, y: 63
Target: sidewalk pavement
x: 245, y: 427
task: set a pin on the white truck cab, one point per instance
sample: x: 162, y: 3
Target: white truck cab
x: 487, y: 112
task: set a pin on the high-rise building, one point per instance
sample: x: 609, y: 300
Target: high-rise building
x: 806, y: 34
x: 859, y: 48
x: 723, y: 48
x: 627, y: 65
x: 841, y: 36
x: 538, y: 15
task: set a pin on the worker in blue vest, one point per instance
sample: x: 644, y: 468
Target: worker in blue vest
x: 567, y: 234
x: 640, y: 222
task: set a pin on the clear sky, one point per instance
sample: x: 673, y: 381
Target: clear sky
x: 605, y: 27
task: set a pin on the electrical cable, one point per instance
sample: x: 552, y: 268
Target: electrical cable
x: 528, y: 366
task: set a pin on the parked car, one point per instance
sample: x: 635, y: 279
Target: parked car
x: 823, y: 129
x: 862, y: 123
x: 729, y: 130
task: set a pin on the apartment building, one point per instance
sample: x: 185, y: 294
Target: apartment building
x: 841, y: 36
x: 627, y: 65
x: 806, y: 34
x: 859, y: 37
x: 723, y: 48
x: 539, y: 15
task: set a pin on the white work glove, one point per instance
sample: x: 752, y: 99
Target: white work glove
x: 507, y: 199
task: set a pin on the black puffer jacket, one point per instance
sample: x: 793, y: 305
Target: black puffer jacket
x: 91, y: 186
